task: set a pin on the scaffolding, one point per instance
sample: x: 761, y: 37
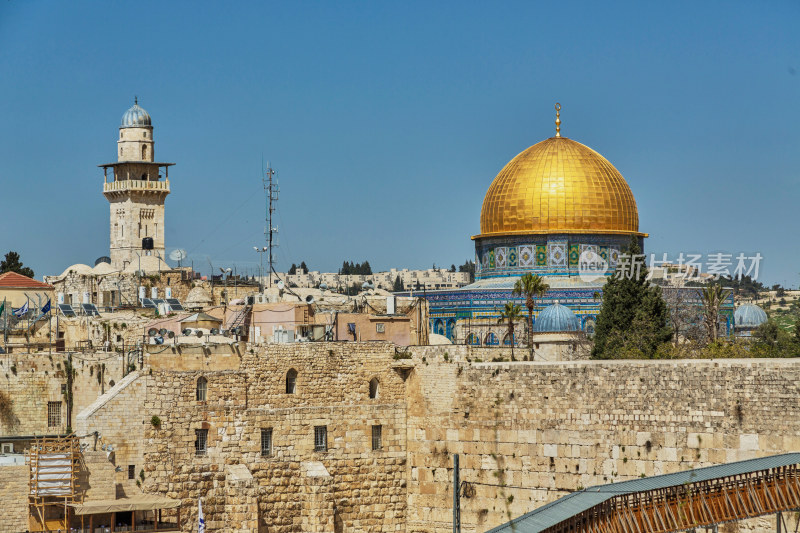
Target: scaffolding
x: 54, y: 466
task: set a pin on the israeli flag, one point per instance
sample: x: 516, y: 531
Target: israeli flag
x: 201, y: 522
x: 46, y: 308
x: 19, y: 313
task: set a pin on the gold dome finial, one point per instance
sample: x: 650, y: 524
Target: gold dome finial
x: 558, y: 119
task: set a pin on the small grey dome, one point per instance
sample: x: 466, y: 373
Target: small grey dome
x: 135, y: 117
x: 749, y: 316
x: 556, y: 317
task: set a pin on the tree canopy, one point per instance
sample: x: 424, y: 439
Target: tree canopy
x: 11, y: 263
x: 633, y: 317
x: 350, y: 268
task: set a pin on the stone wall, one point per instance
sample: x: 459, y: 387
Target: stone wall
x: 546, y: 429
x: 14, y: 497
x: 33, y: 380
x: 295, y: 487
x: 119, y: 418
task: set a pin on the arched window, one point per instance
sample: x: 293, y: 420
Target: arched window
x: 373, y: 388
x: 507, y: 340
x: 202, y: 389
x: 491, y: 339
x: 291, y: 381
x: 144, y: 151
x: 473, y: 339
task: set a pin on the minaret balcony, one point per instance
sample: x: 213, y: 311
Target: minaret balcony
x: 161, y: 186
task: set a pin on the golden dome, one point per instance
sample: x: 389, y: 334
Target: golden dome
x: 558, y: 186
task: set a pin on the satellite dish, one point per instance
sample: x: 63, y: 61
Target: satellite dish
x: 171, y: 334
x: 152, y: 332
x: 198, y: 333
x: 310, y: 299
x: 280, y: 285
x: 162, y: 331
x: 225, y: 333
x: 214, y: 331
x: 178, y: 255
x: 323, y: 286
x: 366, y: 285
x: 104, y: 259
x: 187, y: 332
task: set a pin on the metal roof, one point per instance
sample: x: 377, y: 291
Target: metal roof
x: 567, y: 506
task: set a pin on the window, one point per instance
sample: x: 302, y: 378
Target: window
x: 373, y: 388
x: 320, y: 438
x: 200, y: 441
x: 53, y: 414
x: 266, y: 441
x: 380, y: 327
x: 131, y: 471
x: 202, y: 389
x: 291, y: 381
x: 144, y: 151
x: 376, y: 437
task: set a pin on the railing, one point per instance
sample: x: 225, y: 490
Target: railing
x: 137, y: 185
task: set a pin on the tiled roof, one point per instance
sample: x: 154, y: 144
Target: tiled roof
x: 12, y: 280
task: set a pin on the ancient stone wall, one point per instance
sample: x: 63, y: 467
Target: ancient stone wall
x: 351, y: 485
x: 33, y: 380
x: 528, y: 433
x: 14, y: 497
x: 119, y: 418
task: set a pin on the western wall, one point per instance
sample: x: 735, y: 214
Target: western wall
x: 526, y: 432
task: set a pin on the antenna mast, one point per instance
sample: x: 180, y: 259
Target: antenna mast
x: 271, y: 190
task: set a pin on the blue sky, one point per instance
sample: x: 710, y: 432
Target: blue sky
x: 388, y: 121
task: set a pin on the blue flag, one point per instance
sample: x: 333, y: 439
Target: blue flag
x: 19, y: 313
x: 46, y: 308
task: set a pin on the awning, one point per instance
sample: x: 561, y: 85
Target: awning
x: 140, y: 502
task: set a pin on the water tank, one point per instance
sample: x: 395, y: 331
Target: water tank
x: 147, y: 243
x: 61, y: 297
x: 153, y: 292
x: 86, y: 297
x: 168, y: 291
x: 141, y: 292
x: 390, y: 305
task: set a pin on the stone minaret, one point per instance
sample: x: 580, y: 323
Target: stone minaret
x: 136, y: 191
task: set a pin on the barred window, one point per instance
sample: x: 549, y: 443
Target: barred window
x: 201, y: 441
x: 131, y: 471
x: 376, y: 437
x: 320, y: 438
x: 53, y: 414
x: 266, y: 441
x: 202, y: 389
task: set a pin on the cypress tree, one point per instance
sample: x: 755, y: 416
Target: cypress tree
x: 633, y: 317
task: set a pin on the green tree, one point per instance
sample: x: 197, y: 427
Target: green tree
x: 632, y: 322
x: 468, y: 267
x: 304, y: 267
x: 398, y: 284
x: 531, y: 286
x: 797, y: 332
x: 712, y: 298
x: 509, y: 315
x: 452, y: 268
x: 292, y: 270
x: 12, y: 264
x: 771, y: 340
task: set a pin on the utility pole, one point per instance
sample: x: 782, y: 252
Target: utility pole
x: 271, y: 189
x: 456, y: 498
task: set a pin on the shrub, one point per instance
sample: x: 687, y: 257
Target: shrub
x: 155, y: 421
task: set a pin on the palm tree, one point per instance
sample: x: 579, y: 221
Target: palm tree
x: 712, y: 298
x: 532, y: 286
x: 510, y: 314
